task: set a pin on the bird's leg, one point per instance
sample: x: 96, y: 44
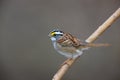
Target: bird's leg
x: 66, y: 61
x: 69, y: 59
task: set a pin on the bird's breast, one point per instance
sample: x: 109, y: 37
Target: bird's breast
x: 66, y: 49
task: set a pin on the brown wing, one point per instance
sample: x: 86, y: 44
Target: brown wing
x: 67, y: 40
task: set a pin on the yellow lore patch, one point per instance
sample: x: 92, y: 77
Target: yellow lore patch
x: 52, y: 33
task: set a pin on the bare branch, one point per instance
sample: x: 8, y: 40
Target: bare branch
x: 63, y: 69
x: 91, y: 39
x: 104, y: 26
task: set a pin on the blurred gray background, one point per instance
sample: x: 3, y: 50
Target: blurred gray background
x: 26, y: 52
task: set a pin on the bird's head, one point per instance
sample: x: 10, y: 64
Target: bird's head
x: 56, y: 34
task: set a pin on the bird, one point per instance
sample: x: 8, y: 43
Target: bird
x: 68, y: 45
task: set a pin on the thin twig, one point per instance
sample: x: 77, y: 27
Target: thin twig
x: 63, y: 69
x: 91, y: 39
x: 104, y: 26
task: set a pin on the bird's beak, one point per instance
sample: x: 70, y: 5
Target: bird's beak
x: 49, y: 35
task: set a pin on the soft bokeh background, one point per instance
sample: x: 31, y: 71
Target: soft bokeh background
x: 26, y: 52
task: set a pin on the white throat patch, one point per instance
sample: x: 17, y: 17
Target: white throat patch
x: 53, y: 39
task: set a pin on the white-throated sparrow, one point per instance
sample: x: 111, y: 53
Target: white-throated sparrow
x: 68, y: 45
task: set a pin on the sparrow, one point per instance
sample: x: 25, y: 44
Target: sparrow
x: 69, y: 45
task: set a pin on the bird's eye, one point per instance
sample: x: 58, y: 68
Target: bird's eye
x: 54, y: 35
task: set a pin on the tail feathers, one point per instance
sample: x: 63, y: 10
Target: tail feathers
x: 97, y: 45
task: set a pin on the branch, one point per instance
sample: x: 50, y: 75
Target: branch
x: 104, y: 26
x: 91, y: 39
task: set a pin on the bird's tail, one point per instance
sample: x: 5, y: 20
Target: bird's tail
x: 97, y: 45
